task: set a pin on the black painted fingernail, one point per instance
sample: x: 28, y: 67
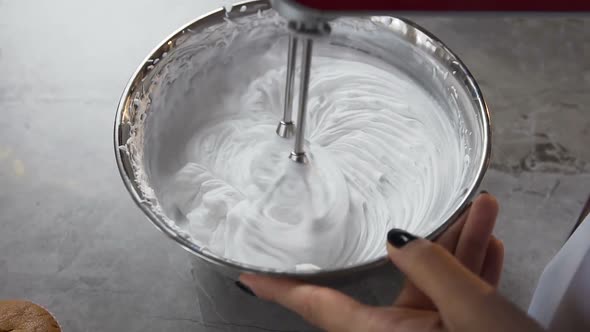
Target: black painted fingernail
x: 483, y: 192
x: 245, y: 288
x: 399, y: 238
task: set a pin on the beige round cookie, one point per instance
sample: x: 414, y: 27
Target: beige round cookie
x: 25, y: 316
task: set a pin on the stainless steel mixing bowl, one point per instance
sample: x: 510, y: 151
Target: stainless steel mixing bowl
x: 402, y: 43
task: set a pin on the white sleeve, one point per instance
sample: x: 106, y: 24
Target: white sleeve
x: 561, y: 301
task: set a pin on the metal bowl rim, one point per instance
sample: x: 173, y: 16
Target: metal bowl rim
x: 191, y: 247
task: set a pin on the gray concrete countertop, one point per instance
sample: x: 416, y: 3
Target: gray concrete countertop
x: 72, y: 240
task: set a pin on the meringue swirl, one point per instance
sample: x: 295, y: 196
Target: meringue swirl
x: 383, y: 154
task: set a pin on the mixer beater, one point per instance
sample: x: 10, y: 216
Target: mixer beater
x: 303, y: 32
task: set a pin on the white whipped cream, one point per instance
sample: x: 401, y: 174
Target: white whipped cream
x: 383, y: 154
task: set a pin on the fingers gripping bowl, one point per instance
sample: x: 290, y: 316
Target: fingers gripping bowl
x: 398, y: 134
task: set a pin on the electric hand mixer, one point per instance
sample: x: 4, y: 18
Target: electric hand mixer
x: 309, y: 18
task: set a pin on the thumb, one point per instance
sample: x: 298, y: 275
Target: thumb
x: 452, y: 287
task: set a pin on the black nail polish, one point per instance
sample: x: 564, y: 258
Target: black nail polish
x: 245, y: 288
x: 399, y: 238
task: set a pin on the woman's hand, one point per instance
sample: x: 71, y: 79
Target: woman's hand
x: 450, y: 285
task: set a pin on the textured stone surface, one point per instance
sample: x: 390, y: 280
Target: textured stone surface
x: 73, y: 241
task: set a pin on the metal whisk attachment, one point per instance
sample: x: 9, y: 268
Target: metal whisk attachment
x: 286, y: 128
